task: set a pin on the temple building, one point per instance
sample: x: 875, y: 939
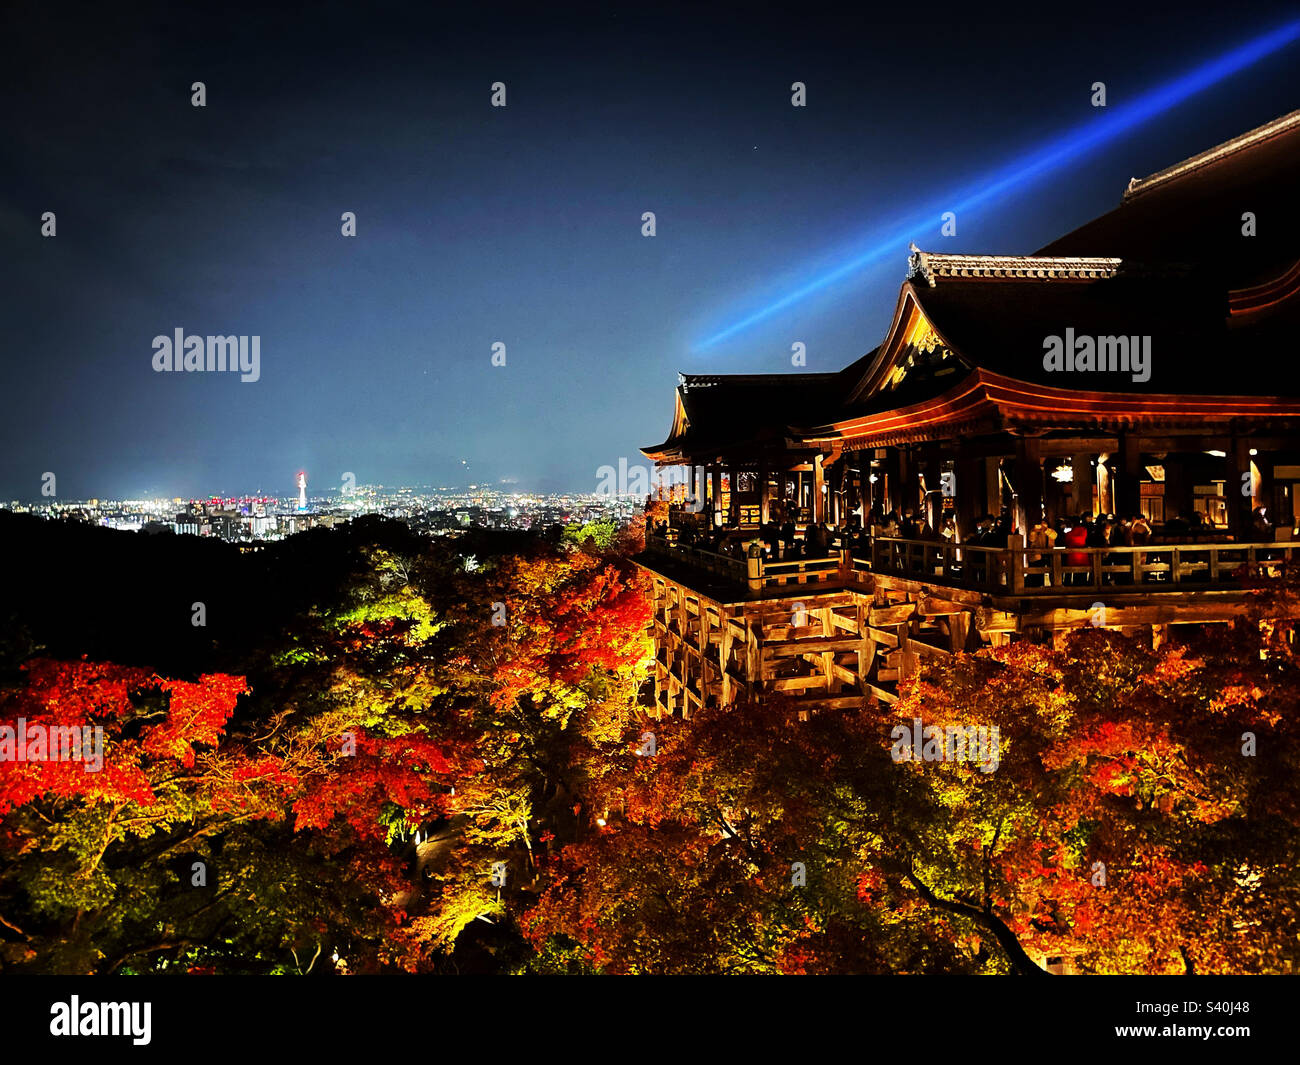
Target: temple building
x: 1105, y: 432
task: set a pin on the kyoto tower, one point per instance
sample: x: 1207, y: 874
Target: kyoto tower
x: 302, y: 492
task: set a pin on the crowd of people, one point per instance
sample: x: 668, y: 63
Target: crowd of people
x: 780, y: 539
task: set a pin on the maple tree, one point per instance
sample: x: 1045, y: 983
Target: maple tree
x: 100, y: 861
x: 420, y: 715
x: 696, y: 868
x: 1127, y: 825
x: 1123, y: 827
x: 547, y: 655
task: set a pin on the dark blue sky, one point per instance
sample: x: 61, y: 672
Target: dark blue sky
x: 521, y: 225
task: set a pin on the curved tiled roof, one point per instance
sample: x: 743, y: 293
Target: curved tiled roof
x: 1197, y: 211
x: 1174, y: 262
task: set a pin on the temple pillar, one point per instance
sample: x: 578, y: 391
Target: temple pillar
x: 893, y: 481
x: 1261, y: 477
x: 1239, y: 503
x: 933, y: 500
x: 993, y: 486
x: 1178, y: 491
x: 819, y: 496
x: 1128, y: 493
x: 1105, y: 497
x: 906, y: 491
x: 1027, y: 480
x: 841, y: 516
x: 1081, y: 486
x: 970, y: 490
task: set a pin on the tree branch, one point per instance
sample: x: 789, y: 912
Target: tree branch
x: 1020, y: 961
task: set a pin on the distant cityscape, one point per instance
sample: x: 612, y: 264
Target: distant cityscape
x: 252, y: 519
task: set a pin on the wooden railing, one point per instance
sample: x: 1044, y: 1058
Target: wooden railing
x: 801, y: 571
x: 1012, y: 570
x: 732, y: 569
x: 1022, y: 570
x: 771, y: 574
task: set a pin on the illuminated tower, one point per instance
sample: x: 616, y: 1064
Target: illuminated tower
x: 302, y: 491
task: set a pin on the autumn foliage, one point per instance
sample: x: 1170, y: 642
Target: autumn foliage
x: 437, y: 763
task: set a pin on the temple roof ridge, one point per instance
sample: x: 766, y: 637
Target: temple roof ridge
x: 708, y: 380
x: 1285, y: 124
x: 935, y: 265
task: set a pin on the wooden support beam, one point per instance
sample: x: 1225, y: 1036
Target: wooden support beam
x: 779, y: 648
x: 866, y: 649
x: 889, y: 639
x: 832, y: 670
x: 893, y: 615
x: 849, y: 624
x: 828, y: 657
x: 959, y: 626
x: 1161, y: 613
x: 842, y: 702
x: 726, y: 638
x: 798, y: 684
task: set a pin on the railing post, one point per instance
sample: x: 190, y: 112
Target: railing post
x: 754, y: 567
x: 1016, y: 578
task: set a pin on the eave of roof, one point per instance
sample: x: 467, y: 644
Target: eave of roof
x: 997, y: 401
x: 714, y: 413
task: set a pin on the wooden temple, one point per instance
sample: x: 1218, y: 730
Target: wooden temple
x: 1130, y: 379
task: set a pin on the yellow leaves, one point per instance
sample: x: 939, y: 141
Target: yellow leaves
x: 404, y: 612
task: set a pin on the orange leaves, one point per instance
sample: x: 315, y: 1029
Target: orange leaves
x: 113, y: 760
x: 75, y: 692
x: 196, y: 714
x: 146, y: 749
x: 870, y: 884
x: 268, y: 769
x: 402, y: 770
x: 1232, y: 696
x: 566, y: 616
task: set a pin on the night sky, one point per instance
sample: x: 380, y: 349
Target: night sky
x: 520, y: 224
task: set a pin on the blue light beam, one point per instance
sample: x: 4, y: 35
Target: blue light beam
x: 1037, y: 162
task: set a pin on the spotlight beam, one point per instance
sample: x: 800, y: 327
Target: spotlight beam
x: 1035, y: 164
